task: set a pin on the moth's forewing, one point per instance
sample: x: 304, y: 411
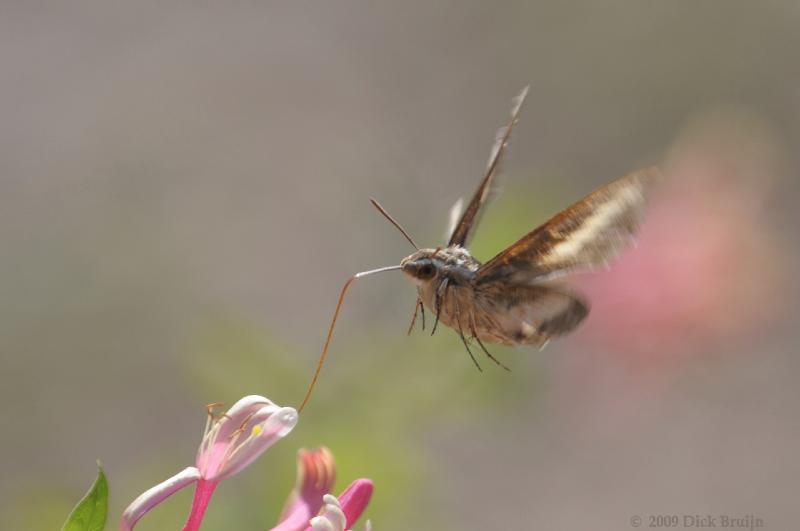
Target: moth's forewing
x: 586, y: 235
x: 468, y: 221
x: 531, y: 314
x: 454, y: 216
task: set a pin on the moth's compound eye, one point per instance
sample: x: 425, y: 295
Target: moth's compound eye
x: 426, y: 271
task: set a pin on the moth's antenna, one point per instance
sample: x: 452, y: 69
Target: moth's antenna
x: 324, y: 354
x: 393, y: 222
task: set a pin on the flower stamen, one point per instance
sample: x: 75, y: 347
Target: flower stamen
x: 211, y: 407
x: 238, y: 431
x: 254, y: 433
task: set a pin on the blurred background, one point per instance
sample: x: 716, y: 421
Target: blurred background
x: 183, y: 191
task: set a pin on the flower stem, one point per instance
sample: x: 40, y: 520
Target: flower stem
x: 202, y: 496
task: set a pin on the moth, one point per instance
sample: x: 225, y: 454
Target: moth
x: 513, y: 298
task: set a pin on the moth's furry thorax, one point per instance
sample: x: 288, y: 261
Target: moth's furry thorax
x: 454, y: 262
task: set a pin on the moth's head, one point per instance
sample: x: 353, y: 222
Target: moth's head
x: 422, y: 267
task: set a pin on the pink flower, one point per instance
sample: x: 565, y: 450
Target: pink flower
x: 707, y: 273
x: 316, y: 474
x: 310, y: 505
x: 232, y: 441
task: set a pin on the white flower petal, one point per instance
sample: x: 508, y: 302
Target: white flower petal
x: 330, y: 499
x: 335, y: 516
x: 261, y: 436
x: 240, y: 412
x: 223, y: 428
x: 155, y: 495
x: 331, y: 517
x: 319, y: 523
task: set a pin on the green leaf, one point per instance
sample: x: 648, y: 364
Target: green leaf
x: 90, y: 513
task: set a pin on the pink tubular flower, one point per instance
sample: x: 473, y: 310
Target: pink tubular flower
x: 231, y: 442
x: 310, y: 505
x: 316, y: 475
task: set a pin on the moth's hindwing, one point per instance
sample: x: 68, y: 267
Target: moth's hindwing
x: 529, y: 314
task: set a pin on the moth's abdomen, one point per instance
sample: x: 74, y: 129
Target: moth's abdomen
x: 513, y: 315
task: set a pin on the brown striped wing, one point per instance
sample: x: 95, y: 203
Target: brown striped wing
x: 586, y: 235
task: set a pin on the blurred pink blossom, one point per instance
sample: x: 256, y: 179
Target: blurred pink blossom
x: 707, y: 268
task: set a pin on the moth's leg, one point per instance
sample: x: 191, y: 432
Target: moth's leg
x: 488, y: 354
x: 413, y: 318
x: 461, y: 334
x: 422, y: 311
x: 544, y: 344
x: 471, y: 355
x: 441, y: 292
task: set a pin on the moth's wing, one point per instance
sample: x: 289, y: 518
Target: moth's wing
x: 533, y: 313
x: 455, y: 214
x: 462, y: 232
x: 588, y: 234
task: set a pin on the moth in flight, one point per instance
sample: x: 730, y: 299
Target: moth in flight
x: 512, y: 299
